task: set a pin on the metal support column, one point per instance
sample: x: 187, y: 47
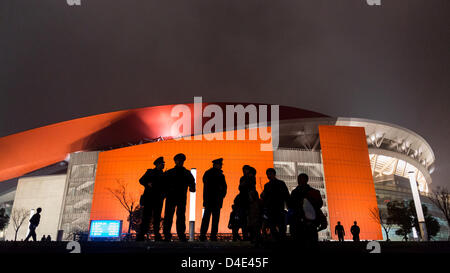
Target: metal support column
x: 418, y: 205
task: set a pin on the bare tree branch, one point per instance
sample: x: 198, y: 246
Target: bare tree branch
x: 125, y: 198
x: 381, y: 218
x: 441, y: 199
x: 18, y: 217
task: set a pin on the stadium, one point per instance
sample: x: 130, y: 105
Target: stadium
x: 71, y: 168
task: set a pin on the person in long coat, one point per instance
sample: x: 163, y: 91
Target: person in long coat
x: 214, y: 191
x: 275, y: 197
x: 178, y: 180
x: 302, y: 228
x: 254, y: 216
x: 239, y: 214
x: 153, y: 198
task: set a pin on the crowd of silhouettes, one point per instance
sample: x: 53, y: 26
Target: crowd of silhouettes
x: 252, y: 214
x: 170, y: 186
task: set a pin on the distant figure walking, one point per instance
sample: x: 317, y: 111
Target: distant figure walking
x: 178, y: 180
x: 339, y: 230
x: 153, y: 198
x: 43, y: 239
x: 34, y: 222
x: 214, y: 191
x: 355, y: 232
x: 274, y: 198
x: 49, y: 238
x: 304, y: 211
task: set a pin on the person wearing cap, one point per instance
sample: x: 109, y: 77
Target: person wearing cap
x: 214, y: 191
x: 152, y: 199
x: 178, y: 179
x: 275, y: 197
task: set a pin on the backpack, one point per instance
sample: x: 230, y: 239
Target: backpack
x: 309, y: 211
x: 321, y: 221
x: 314, y: 215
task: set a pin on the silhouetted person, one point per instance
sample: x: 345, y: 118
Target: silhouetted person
x: 254, y: 218
x: 178, y: 180
x: 34, y: 222
x: 355, y: 232
x: 405, y: 238
x: 49, y: 238
x: 339, y: 230
x: 241, y: 206
x: 214, y: 191
x: 153, y: 198
x: 234, y: 223
x: 274, y: 198
x: 246, y: 182
x: 304, y: 205
x: 43, y: 239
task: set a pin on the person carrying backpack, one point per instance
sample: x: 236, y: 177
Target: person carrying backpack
x: 305, y: 206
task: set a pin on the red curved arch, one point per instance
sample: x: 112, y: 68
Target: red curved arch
x: 33, y: 149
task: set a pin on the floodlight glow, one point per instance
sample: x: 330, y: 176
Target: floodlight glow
x: 414, y: 233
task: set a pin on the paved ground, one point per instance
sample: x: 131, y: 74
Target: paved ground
x: 222, y: 256
x: 223, y: 247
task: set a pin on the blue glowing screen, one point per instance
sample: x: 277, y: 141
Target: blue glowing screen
x: 105, y: 228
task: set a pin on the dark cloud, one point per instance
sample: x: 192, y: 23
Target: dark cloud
x: 341, y: 58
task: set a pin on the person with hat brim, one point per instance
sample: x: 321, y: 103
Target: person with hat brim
x: 152, y: 200
x: 179, y: 179
x: 214, y: 191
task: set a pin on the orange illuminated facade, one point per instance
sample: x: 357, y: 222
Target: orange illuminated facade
x: 37, y: 148
x: 348, y: 180
x: 334, y: 152
x: 128, y: 164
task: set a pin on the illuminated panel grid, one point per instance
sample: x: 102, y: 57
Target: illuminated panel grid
x: 129, y: 164
x: 348, y: 180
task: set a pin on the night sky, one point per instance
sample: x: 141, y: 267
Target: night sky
x: 341, y: 58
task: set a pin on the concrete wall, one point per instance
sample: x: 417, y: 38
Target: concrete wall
x: 42, y: 191
x: 77, y: 201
